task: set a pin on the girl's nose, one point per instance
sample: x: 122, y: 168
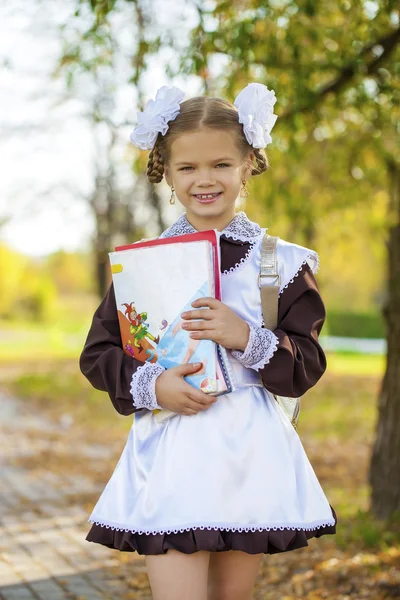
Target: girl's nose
x: 205, y: 179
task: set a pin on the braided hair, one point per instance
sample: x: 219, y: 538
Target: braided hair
x: 155, y: 166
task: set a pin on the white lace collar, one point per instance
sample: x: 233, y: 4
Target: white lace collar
x: 239, y: 230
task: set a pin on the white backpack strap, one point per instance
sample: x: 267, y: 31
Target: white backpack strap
x: 269, y: 301
x: 269, y: 281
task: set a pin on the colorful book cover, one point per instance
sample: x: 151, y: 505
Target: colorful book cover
x: 154, y: 282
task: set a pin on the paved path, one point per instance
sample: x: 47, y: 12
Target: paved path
x: 43, y: 551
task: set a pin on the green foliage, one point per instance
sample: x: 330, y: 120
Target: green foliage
x: 351, y: 324
x: 62, y: 383
x: 55, y: 290
x: 90, y: 45
x: 26, y: 290
x: 353, y: 363
x: 365, y: 531
x: 336, y: 101
x: 322, y: 415
x: 23, y: 342
x: 335, y: 68
x: 71, y: 272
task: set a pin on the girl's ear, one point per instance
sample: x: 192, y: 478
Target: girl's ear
x: 249, y: 165
x: 252, y: 157
x: 167, y: 175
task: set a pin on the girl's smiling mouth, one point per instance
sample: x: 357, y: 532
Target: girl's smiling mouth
x: 207, y: 198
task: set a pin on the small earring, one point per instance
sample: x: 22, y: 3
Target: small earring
x: 244, y: 192
x: 172, y: 199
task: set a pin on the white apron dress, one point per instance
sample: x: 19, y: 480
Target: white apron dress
x: 237, y: 466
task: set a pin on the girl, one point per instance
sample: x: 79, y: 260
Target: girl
x: 205, y: 494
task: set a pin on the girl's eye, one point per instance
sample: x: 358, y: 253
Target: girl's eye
x: 223, y: 164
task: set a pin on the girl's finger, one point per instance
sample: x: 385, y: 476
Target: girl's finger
x: 198, y: 314
x: 197, y: 406
x: 189, y: 411
x: 205, y: 334
x: 199, y: 399
x: 194, y: 325
x: 207, y: 301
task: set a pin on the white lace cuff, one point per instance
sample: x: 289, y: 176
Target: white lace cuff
x: 261, y: 346
x: 143, y: 385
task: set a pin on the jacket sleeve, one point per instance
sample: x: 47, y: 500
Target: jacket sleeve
x: 290, y: 359
x: 129, y: 382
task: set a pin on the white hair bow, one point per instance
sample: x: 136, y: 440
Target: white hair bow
x: 155, y: 116
x: 255, y: 104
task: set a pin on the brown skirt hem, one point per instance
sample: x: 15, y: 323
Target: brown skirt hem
x: 194, y: 540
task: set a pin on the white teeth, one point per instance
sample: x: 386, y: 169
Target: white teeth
x: 206, y: 197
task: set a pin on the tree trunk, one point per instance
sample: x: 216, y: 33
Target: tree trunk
x: 155, y: 201
x: 385, y: 462
x: 103, y: 204
x: 112, y: 218
x: 102, y: 268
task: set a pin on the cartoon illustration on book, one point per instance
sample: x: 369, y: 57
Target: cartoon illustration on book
x: 174, y: 345
x: 181, y: 348
x: 191, y: 346
x: 138, y: 326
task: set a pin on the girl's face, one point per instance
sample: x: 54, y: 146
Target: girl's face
x: 207, y: 161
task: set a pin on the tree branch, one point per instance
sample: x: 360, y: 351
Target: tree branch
x: 387, y: 42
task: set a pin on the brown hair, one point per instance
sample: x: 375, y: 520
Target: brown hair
x: 202, y: 111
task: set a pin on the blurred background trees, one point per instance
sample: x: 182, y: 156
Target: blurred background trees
x: 333, y: 183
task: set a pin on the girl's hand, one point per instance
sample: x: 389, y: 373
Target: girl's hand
x: 220, y: 324
x: 176, y: 394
